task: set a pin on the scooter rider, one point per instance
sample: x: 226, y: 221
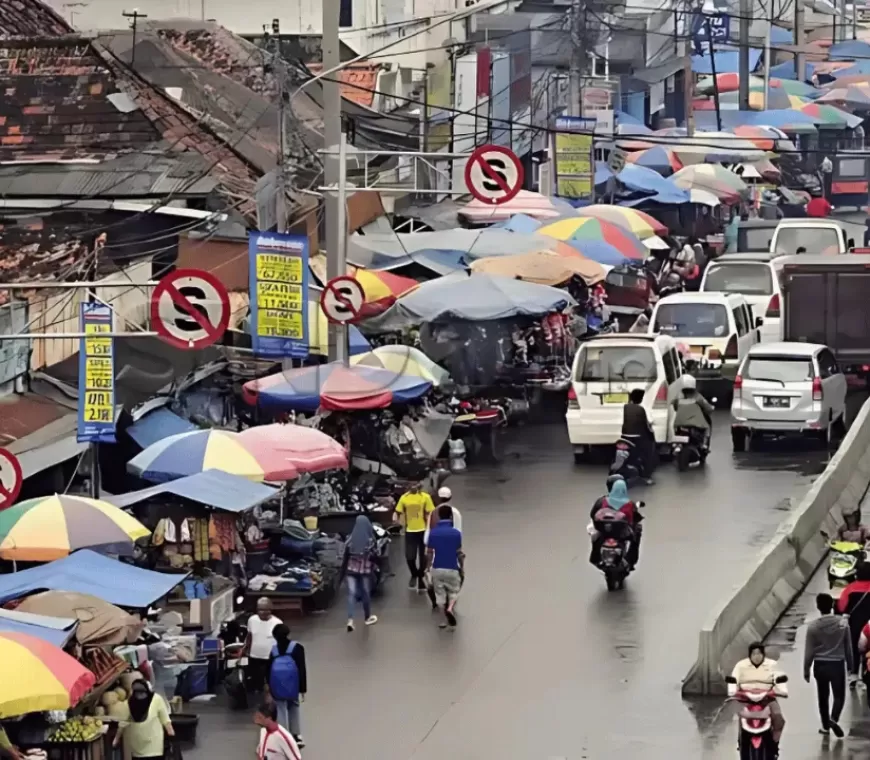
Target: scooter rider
x: 693, y: 410
x: 617, y: 500
x: 852, y: 528
x: 636, y: 428
x: 759, y: 672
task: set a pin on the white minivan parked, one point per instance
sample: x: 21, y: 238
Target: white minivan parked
x: 715, y: 332
x: 605, y: 370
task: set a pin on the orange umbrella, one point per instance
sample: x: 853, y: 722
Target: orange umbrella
x: 381, y: 289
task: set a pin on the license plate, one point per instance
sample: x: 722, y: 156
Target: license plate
x: 615, y: 398
x: 776, y: 402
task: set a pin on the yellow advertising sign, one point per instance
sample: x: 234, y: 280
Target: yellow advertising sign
x: 99, y: 402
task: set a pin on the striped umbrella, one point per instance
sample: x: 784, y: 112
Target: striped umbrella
x: 188, y: 453
x: 828, y: 117
x: 766, y: 138
x: 576, y: 230
x: 38, y: 676
x: 714, y: 178
x: 660, y: 159
x: 853, y: 96
x: 638, y: 222
x: 51, y: 527
x: 407, y: 360
x: 381, y: 289
x: 728, y: 82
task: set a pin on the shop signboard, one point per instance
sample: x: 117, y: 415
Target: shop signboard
x: 575, y: 169
x: 96, y: 422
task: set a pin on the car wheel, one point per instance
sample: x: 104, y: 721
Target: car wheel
x: 738, y: 441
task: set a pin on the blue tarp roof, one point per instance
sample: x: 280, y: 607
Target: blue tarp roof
x: 57, y: 631
x: 87, y: 572
x: 849, y: 50
x: 211, y: 488
x: 157, y: 425
x: 859, y: 67
x: 727, y: 62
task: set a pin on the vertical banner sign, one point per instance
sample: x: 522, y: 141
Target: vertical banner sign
x: 96, y: 422
x: 279, y: 294
x: 575, y: 170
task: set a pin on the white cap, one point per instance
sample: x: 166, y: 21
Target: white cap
x: 689, y: 383
x: 445, y: 493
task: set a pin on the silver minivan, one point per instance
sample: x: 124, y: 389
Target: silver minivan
x: 788, y: 388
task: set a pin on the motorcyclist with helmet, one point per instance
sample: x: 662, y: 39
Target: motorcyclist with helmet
x: 693, y: 411
x: 616, y: 499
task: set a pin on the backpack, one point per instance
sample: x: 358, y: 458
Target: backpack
x: 284, y: 677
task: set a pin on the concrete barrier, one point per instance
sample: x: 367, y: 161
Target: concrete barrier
x: 784, y: 565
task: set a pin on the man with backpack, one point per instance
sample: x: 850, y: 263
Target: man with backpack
x: 288, y: 680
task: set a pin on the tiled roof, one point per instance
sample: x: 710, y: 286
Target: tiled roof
x: 358, y: 81
x: 30, y: 18
x: 56, y: 102
x: 22, y: 414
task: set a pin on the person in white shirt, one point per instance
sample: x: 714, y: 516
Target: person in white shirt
x: 276, y: 742
x: 444, y: 497
x: 258, y: 646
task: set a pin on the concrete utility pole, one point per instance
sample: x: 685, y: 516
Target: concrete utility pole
x: 799, y: 58
x: 578, y: 59
x: 135, y: 16
x: 745, y: 17
x: 336, y: 230
x: 279, y: 73
x: 842, y: 11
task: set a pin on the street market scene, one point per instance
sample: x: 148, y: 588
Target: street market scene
x: 482, y: 380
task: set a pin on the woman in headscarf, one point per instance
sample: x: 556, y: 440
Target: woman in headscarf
x: 144, y: 736
x: 617, y: 499
x: 359, y: 570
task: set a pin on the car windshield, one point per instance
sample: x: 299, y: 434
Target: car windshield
x: 692, y: 320
x: 814, y: 239
x: 746, y: 279
x: 752, y: 239
x: 613, y: 363
x: 779, y: 369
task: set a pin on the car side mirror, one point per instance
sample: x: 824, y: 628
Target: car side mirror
x: 759, y: 321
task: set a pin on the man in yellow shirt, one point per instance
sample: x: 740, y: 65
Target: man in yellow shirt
x: 414, y: 509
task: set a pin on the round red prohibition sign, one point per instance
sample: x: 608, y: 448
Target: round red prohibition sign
x: 494, y: 175
x: 342, y: 300
x: 11, y: 478
x: 190, y: 309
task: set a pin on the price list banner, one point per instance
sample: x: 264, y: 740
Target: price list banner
x: 279, y: 294
x: 96, y: 423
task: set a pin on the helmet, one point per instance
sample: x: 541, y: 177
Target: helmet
x: 689, y: 383
x: 613, y: 479
x: 445, y: 493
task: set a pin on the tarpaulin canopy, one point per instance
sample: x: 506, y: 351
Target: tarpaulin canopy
x: 211, y: 488
x: 90, y: 573
x: 54, y: 630
x: 334, y: 387
x: 473, y: 297
x: 161, y: 423
x: 542, y: 268
x: 100, y: 624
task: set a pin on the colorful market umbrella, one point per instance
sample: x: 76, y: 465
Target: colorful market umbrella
x: 852, y: 96
x: 526, y: 202
x: 829, y: 117
x: 766, y: 138
x: 728, y: 82
x: 38, y: 676
x: 638, y: 222
x: 381, y: 289
x: 579, y: 229
x: 407, y: 360
x: 308, y: 449
x: 334, y: 387
x: 542, y: 268
x: 188, y: 453
x: 51, y: 527
x: 661, y: 159
x: 714, y: 178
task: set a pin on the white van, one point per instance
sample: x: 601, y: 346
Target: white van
x: 820, y: 236
x: 715, y: 332
x: 755, y: 276
x: 605, y: 370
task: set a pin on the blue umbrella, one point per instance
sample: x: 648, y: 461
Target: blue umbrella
x: 520, y: 223
x: 659, y: 159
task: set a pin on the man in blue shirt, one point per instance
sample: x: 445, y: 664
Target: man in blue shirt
x: 446, y: 561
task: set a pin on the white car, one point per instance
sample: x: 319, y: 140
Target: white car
x: 788, y: 388
x: 755, y: 276
x: 716, y: 330
x: 605, y: 370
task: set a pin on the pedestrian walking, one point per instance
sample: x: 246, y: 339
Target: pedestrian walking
x: 413, y: 509
x: 259, y: 644
x: 145, y: 735
x: 359, y: 570
x: 445, y: 496
x: 276, y: 742
x: 445, y: 558
x: 287, y: 683
x: 828, y: 651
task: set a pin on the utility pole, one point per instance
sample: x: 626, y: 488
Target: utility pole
x: 843, y: 17
x: 768, y: 53
x: 336, y: 232
x: 134, y: 23
x: 279, y: 73
x: 688, y: 95
x: 745, y: 16
x: 854, y: 20
x: 713, y: 71
x: 799, y: 58
x: 96, y: 475
x: 578, y: 59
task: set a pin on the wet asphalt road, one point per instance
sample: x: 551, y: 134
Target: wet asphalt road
x: 546, y: 663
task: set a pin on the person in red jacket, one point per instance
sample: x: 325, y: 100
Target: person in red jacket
x: 855, y: 600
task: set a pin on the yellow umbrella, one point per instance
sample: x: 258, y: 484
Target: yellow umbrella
x: 541, y: 267
x: 403, y: 360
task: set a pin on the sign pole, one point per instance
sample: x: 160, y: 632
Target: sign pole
x: 338, y: 342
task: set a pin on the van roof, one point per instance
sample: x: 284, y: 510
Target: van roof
x: 665, y: 341
x: 744, y: 258
x: 785, y: 349
x: 725, y: 299
x: 808, y: 222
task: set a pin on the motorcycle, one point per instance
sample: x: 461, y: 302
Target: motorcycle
x: 613, y: 554
x: 690, y: 448
x: 626, y: 460
x: 381, y: 569
x: 755, y: 741
x: 843, y: 562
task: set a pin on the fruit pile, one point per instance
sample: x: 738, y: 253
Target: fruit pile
x: 79, y: 729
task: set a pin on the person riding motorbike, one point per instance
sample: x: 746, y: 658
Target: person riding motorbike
x: 636, y: 427
x: 693, y: 410
x: 759, y: 672
x: 617, y: 499
x: 852, y: 528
